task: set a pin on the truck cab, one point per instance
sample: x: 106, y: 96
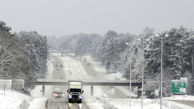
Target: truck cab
x: 75, y: 92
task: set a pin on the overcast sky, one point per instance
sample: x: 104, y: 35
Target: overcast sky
x: 58, y: 17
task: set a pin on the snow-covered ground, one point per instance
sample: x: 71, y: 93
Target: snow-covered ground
x: 13, y: 100
x: 38, y: 103
x: 135, y: 103
x: 180, y: 97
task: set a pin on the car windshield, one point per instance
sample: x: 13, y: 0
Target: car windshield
x: 75, y: 90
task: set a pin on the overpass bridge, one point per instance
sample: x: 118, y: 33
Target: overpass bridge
x: 90, y: 83
x: 61, y: 52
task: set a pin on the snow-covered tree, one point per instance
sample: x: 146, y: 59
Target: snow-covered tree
x: 22, y: 56
x: 36, y: 49
x: 176, y: 56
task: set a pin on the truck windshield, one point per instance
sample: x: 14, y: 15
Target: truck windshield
x: 75, y: 90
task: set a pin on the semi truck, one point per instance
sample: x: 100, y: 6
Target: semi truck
x: 75, y: 91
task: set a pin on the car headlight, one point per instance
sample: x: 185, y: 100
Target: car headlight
x: 80, y: 97
x: 54, y: 94
x: 70, y: 96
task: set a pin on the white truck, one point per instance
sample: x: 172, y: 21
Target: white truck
x: 75, y: 92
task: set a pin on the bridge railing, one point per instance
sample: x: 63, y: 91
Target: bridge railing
x: 88, y: 83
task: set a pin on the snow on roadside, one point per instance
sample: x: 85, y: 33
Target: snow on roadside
x: 135, y: 104
x: 124, y: 104
x: 13, y: 100
x: 118, y: 76
x: 38, y: 103
x: 102, y: 70
x: 180, y: 97
x: 175, y: 105
x: 93, y: 103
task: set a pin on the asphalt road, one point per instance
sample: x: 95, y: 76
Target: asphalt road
x: 61, y: 103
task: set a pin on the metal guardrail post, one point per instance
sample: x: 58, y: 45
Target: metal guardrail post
x: 43, y: 90
x: 92, y: 90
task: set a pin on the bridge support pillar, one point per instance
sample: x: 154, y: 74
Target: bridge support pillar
x: 43, y: 90
x: 92, y: 90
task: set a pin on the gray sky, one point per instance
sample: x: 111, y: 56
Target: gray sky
x: 58, y: 17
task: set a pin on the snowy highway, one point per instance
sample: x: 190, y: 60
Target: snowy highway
x: 96, y: 54
x: 61, y: 103
x: 65, y: 69
x: 72, y: 68
x: 68, y: 67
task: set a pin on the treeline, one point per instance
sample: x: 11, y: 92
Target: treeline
x: 80, y: 44
x: 117, y: 50
x: 23, y: 55
x: 178, y: 55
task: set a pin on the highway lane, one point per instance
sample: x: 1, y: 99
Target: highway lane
x: 91, y: 71
x: 57, y: 73
x: 58, y: 103
x: 92, y: 74
x: 60, y: 73
x: 61, y: 103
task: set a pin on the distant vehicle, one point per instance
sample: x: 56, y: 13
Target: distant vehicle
x: 75, y: 92
x: 58, y: 94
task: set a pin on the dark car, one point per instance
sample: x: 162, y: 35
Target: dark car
x: 58, y: 94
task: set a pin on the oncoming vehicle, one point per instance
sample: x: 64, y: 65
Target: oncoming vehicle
x: 75, y: 92
x: 58, y: 94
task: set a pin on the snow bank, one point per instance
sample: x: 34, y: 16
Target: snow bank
x: 171, y: 101
x: 180, y: 97
x: 13, y: 100
x: 38, y: 103
x: 174, y: 105
x: 93, y: 103
x: 135, y: 104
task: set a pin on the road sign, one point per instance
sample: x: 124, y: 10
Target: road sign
x: 179, y: 87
